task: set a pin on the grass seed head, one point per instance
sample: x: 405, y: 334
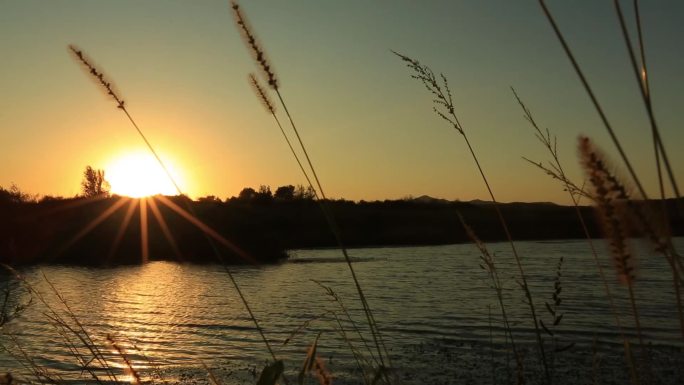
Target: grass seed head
x: 612, y: 204
x: 97, y: 75
x: 262, y: 94
x: 253, y: 45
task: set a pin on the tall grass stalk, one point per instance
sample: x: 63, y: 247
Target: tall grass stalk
x: 612, y: 203
x: 262, y: 95
x: 444, y: 108
x: 641, y: 74
x: 557, y: 171
x: 358, y: 357
x: 594, y: 100
x: 99, y: 77
x: 68, y: 332
x: 673, y: 258
x: 489, y: 265
x: 264, y: 65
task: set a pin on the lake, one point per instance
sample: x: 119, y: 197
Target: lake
x: 438, y: 313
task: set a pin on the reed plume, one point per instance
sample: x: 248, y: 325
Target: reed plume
x: 611, y: 204
x: 262, y: 95
x: 98, y: 75
x: 253, y: 46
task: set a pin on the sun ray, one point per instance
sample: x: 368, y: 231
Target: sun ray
x: 144, y: 241
x: 90, y: 226
x: 73, y: 203
x: 165, y: 228
x: 122, y: 228
x: 206, y: 229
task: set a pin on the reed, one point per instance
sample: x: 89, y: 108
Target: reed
x: 266, y: 68
x: 612, y: 204
x: 554, y: 311
x: 639, y: 67
x: 443, y: 106
x: 107, y: 86
x: 489, y: 265
x: 555, y: 169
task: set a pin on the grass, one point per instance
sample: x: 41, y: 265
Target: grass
x: 621, y: 216
x: 445, y: 109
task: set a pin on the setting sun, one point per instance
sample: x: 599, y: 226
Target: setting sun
x: 140, y: 175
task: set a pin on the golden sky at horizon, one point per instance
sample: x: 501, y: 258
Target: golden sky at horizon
x: 182, y: 69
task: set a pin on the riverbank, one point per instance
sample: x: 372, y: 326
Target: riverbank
x: 117, y: 230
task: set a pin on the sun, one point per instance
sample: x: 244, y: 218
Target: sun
x: 139, y: 174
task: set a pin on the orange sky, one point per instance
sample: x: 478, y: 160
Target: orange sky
x: 369, y: 127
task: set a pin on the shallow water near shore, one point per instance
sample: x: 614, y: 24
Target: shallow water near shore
x: 440, y: 318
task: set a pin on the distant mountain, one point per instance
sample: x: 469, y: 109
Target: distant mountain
x: 429, y: 199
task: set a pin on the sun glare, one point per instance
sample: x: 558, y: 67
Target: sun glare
x: 139, y: 175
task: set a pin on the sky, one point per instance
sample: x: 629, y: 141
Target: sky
x: 182, y: 68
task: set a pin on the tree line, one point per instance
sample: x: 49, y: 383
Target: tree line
x: 94, y: 184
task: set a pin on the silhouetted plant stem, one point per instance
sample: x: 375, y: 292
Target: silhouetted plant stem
x: 673, y: 258
x: 593, y: 98
x: 489, y: 265
x: 121, y: 105
x: 375, y: 332
x: 444, y: 101
x: 262, y: 94
x: 545, y: 139
x: 642, y: 80
x: 266, y: 68
x: 658, y: 148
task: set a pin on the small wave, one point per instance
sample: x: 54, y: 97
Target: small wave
x: 331, y: 260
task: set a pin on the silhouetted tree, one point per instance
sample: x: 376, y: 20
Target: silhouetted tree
x: 94, y: 183
x: 302, y: 192
x: 247, y: 194
x: 15, y: 195
x: 285, y: 192
x: 209, y: 199
x: 264, y: 194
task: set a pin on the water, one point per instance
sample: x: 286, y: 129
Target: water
x: 440, y: 317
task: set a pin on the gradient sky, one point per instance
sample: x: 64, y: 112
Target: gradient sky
x: 182, y: 68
